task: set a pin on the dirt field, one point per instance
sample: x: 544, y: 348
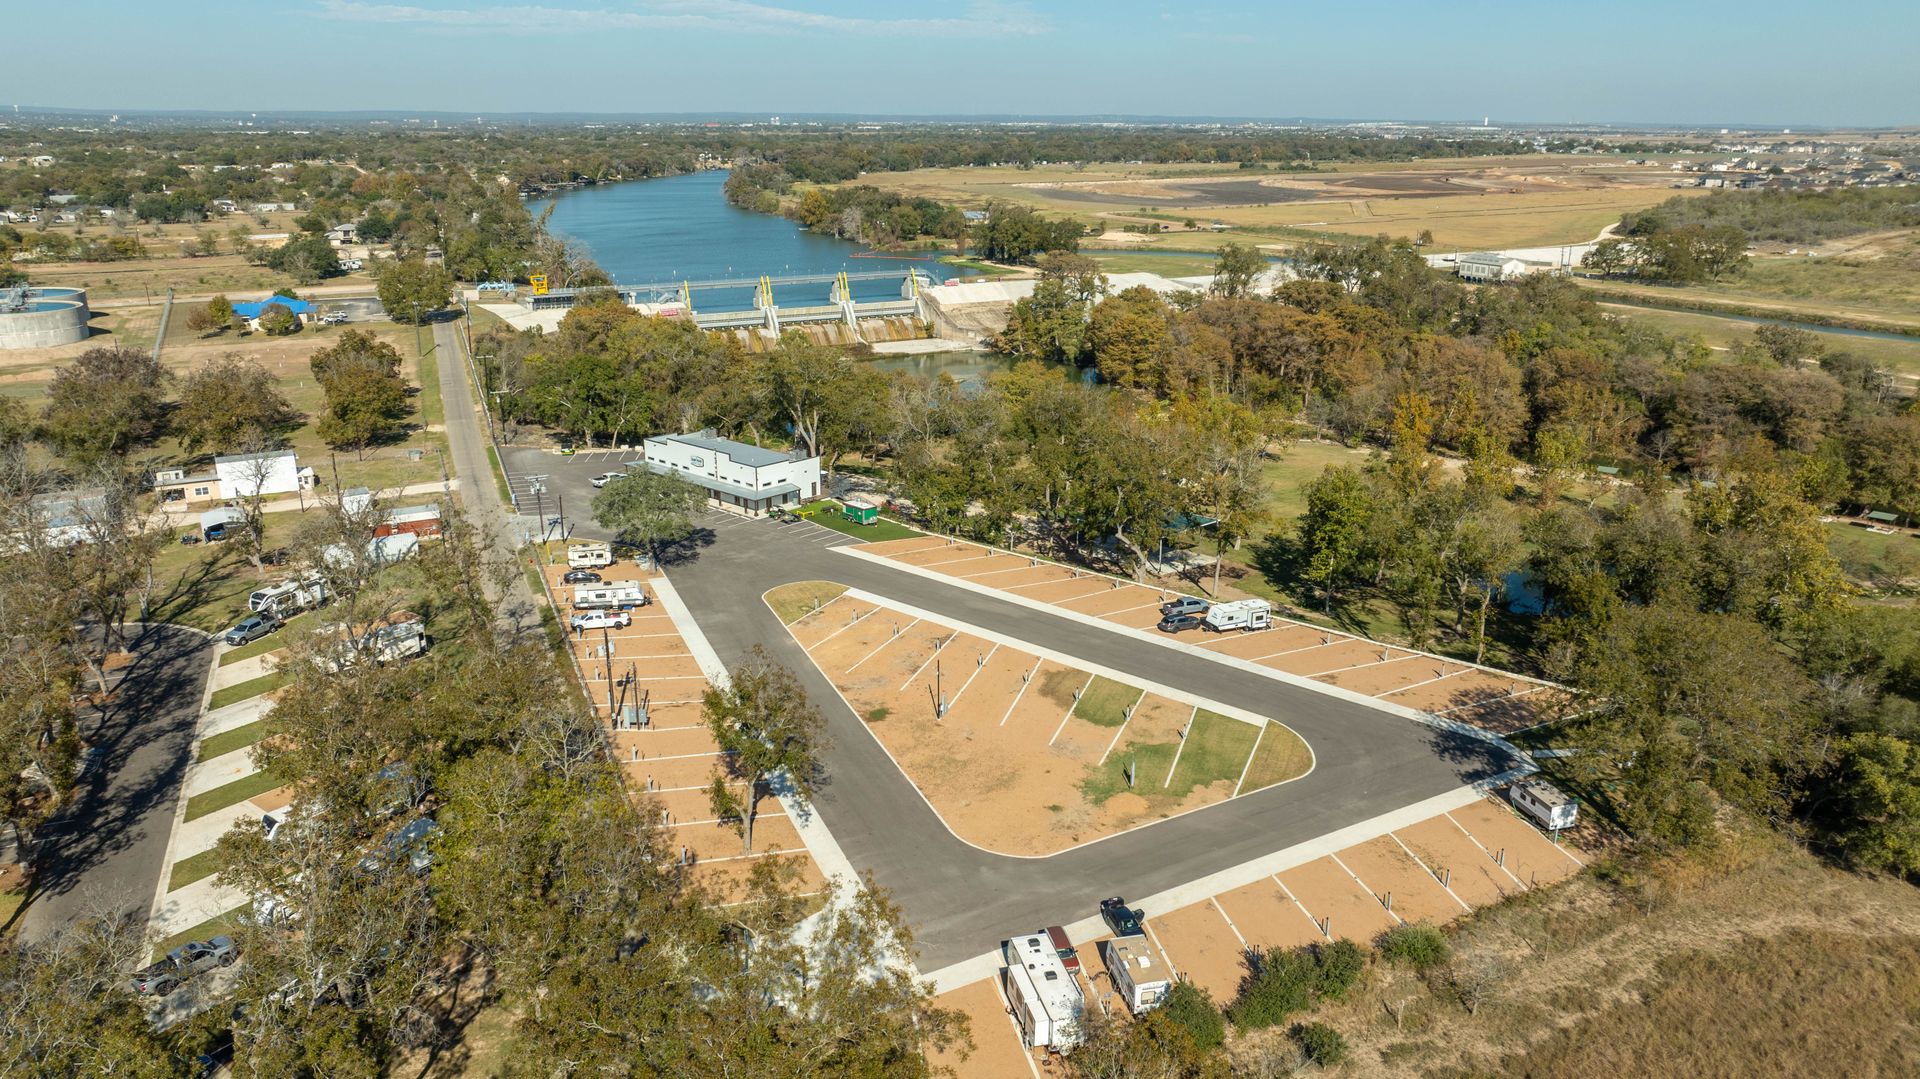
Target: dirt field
x: 1534, y: 200
x: 1030, y: 756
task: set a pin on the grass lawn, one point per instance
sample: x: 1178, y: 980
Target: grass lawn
x: 1168, y: 265
x: 1217, y: 748
x: 1150, y: 761
x: 197, y: 867
x: 227, y: 741
x: 1874, y: 559
x: 9, y: 903
x: 1281, y: 756
x: 212, y: 927
x: 233, y: 793
x: 827, y: 515
x: 791, y: 601
x: 1105, y: 702
x: 240, y: 691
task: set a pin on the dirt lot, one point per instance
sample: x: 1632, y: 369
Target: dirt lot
x: 1031, y: 756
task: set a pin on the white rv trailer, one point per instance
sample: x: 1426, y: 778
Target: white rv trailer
x: 1047, y: 1004
x: 589, y: 555
x: 1240, y: 614
x: 1140, y: 973
x: 1546, y: 803
x: 609, y: 597
x: 288, y: 597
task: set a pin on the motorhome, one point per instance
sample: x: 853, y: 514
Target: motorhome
x: 611, y: 597
x: 1240, y: 614
x: 397, y: 636
x: 1046, y: 999
x: 1140, y: 973
x: 589, y: 555
x: 288, y: 597
x: 1546, y: 803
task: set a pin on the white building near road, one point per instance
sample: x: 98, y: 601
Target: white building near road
x: 245, y: 475
x: 750, y: 479
x: 1489, y: 266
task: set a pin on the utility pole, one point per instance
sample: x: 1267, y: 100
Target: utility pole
x: 606, y: 653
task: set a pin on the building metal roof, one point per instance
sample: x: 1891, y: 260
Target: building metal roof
x: 1487, y: 258
x: 740, y: 452
x: 241, y: 458
x: 254, y: 309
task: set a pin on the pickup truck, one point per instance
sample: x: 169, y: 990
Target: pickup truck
x: 182, y: 963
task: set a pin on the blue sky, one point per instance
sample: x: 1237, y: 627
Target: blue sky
x: 1761, y: 61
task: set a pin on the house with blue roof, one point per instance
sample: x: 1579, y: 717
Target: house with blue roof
x: 252, y: 310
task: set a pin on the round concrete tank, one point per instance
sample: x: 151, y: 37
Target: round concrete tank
x: 42, y: 317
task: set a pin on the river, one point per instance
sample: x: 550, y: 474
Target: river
x: 682, y: 228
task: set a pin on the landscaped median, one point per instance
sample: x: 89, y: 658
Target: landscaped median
x: 240, y: 691
x: 829, y: 514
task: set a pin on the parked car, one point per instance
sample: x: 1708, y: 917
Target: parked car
x: 602, y: 620
x: 605, y: 478
x: 1184, y: 605
x: 580, y: 576
x: 91, y: 759
x: 408, y: 844
x: 182, y: 963
x: 1176, y: 623
x: 252, y: 628
x: 334, y: 318
x: 1122, y: 919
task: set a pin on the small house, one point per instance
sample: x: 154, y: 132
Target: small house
x: 1489, y: 266
x: 251, y: 311
x: 421, y: 522
x: 344, y: 233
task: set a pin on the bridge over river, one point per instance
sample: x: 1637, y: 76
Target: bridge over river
x: 766, y: 302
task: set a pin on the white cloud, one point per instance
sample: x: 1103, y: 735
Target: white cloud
x: 981, y: 18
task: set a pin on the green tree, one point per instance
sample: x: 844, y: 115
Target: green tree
x: 65, y: 1008
x: 1335, y: 531
x: 1871, y: 802
x: 106, y: 403
x: 364, y: 406
x: 1236, y: 267
x: 767, y: 729
x: 277, y: 320
x: 648, y: 508
x: 306, y: 259
x: 1193, y: 1008
x: 1132, y: 340
x: 226, y: 402
x: 412, y: 291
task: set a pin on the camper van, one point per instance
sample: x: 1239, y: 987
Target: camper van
x: 1545, y: 803
x: 1240, y: 614
x: 288, y: 597
x: 1140, y: 973
x: 612, y: 597
x: 589, y: 555
x: 1046, y: 1000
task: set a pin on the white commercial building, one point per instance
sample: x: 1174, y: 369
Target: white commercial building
x: 1489, y: 266
x: 751, y: 479
x: 1046, y: 1000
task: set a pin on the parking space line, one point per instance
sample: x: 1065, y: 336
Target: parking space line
x: 1018, y: 1037
x: 1315, y: 922
x: 1425, y: 682
x: 1494, y: 700
x: 1070, y: 708
x: 857, y: 620
x: 977, y: 668
x: 1464, y: 905
x: 937, y: 649
x: 898, y: 633
x: 1222, y: 912
x: 1369, y: 891
x: 1115, y: 740
x: 1357, y: 666
x: 1182, y: 747
x: 1248, y: 767
x: 1024, y: 683
x: 1171, y: 965
x: 1485, y: 851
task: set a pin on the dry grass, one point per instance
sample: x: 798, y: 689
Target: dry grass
x: 1755, y: 959
x: 791, y: 601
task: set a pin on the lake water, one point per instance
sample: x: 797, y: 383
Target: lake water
x: 682, y: 228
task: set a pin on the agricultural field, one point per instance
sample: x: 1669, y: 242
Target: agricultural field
x: 1532, y: 200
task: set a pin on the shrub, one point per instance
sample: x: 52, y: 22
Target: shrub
x: 1278, y: 985
x: 1419, y: 946
x: 1192, y: 1008
x: 1322, y: 1044
x: 1340, y: 965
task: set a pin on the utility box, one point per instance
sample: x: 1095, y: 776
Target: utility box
x: 1045, y: 996
x: 1553, y: 808
x: 1140, y: 973
x: 860, y: 511
x: 1239, y: 614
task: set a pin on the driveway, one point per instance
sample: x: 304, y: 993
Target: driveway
x: 105, y: 852
x: 963, y: 900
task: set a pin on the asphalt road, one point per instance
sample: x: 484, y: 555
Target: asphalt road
x: 104, y: 854
x: 962, y: 900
